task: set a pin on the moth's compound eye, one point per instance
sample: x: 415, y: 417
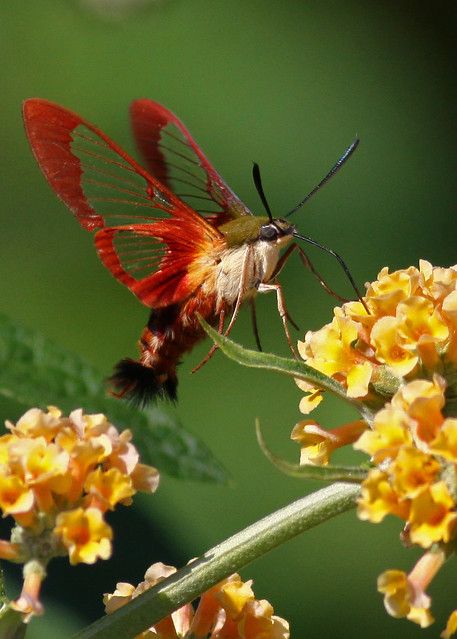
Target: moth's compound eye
x: 268, y: 232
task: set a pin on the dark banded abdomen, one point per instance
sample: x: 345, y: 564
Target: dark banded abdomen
x: 170, y: 332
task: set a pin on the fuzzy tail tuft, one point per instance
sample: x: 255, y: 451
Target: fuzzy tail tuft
x: 141, y: 384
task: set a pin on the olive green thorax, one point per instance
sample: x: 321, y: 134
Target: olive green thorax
x: 250, y: 228
x: 243, y: 229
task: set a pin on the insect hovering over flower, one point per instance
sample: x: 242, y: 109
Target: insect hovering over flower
x: 174, y: 233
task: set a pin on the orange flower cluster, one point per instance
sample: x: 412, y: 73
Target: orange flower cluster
x: 228, y: 610
x: 398, y: 358
x: 58, y: 476
x: 409, y: 331
x: 414, y: 448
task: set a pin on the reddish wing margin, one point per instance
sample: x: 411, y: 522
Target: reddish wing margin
x: 110, y: 193
x: 173, y: 156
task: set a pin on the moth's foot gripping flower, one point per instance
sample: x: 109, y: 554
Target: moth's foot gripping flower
x: 398, y: 359
x: 228, y: 610
x: 58, y: 477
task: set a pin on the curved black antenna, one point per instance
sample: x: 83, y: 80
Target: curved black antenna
x: 258, y: 185
x: 335, y: 168
x: 341, y: 262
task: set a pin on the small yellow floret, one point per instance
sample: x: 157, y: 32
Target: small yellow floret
x: 379, y: 499
x: 15, y: 496
x: 234, y: 595
x: 85, y: 534
x: 402, y: 600
x: 432, y: 518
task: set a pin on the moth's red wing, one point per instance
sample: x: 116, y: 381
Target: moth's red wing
x: 173, y: 156
x: 146, y: 236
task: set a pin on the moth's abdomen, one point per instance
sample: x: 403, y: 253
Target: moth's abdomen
x: 171, y: 331
x: 142, y: 384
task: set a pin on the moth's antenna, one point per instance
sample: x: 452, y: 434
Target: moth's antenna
x: 258, y: 185
x: 335, y: 168
x: 341, y: 262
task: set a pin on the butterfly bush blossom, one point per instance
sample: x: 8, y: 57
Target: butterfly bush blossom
x: 58, y: 477
x: 228, y: 610
x: 397, y: 355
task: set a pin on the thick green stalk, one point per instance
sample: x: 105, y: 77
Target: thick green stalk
x: 222, y: 560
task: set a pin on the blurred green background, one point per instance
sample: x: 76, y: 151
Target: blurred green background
x: 287, y: 84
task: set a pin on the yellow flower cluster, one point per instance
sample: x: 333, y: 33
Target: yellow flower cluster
x: 408, y: 328
x: 398, y: 358
x: 414, y: 448
x: 228, y: 610
x: 58, y: 476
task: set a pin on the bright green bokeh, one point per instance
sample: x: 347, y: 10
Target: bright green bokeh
x: 288, y: 84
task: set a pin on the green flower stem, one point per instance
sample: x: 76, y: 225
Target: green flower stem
x: 3, y: 597
x: 222, y: 560
x: 11, y: 624
x: 353, y: 474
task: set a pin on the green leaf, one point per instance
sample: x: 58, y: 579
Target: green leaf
x: 222, y: 560
x: 36, y: 372
x: 293, y: 367
x: 353, y: 474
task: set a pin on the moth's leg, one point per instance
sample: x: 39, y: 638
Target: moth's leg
x: 255, y: 328
x: 283, y: 259
x: 266, y: 288
x: 279, y: 266
x: 220, y: 330
x: 247, y: 263
x: 309, y: 265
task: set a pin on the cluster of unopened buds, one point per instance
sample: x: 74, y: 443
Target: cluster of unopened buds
x: 396, y: 355
x: 58, y: 477
x: 228, y: 610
